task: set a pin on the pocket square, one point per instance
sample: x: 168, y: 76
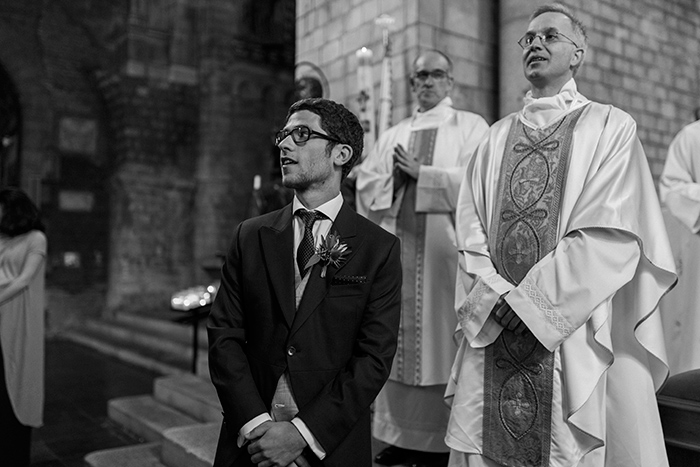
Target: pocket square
x: 339, y: 280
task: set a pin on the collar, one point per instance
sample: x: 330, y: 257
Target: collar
x: 330, y: 208
x: 432, y: 117
x: 541, y: 112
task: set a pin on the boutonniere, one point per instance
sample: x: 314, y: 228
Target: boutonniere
x: 330, y: 251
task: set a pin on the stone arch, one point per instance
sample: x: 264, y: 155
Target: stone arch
x: 25, y: 69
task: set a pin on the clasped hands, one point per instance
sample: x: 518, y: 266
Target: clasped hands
x: 405, y: 166
x: 504, y: 315
x: 276, y: 444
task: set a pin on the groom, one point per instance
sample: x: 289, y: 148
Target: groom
x: 303, y: 332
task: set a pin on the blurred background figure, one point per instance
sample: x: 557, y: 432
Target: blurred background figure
x: 679, y: 189
x: 22, y: 263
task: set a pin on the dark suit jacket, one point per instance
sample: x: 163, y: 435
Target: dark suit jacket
x: 337, y: 347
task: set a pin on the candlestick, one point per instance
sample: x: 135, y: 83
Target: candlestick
x: 365, y: 96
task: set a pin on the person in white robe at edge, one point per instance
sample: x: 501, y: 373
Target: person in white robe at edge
x: 409, y: 184
x: 679, y: 190
x: 564, y: 257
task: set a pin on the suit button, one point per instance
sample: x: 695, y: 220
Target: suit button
x: 291, y: 351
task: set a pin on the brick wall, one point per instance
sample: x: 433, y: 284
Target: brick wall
x: 330, y: 32
x: 644, y: 56
x: 645, y: 59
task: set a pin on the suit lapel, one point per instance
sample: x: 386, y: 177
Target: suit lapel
x: 317, y: 286
x: 277, y: 245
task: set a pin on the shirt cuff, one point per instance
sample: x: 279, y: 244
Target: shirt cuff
x: 250, y: 426
x: 309, y: 438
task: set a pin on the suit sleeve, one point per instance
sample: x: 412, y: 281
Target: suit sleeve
x: 228, y: 364
x: 333, y: 413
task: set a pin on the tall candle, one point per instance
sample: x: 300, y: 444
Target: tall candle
x: 385, y: 101
x: 365, y: 96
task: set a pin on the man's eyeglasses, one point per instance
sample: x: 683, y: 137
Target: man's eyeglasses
x: 423, y: 75
x: 301, y: 134
x: 548, y: 37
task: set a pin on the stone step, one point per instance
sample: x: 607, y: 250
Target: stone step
x: 139, y: 455
x: 134, y: 333
x: 190, y: 395
x: 136, y: 337
x: 162, y: 324
x: 103, y: 340
x: 203, y: 365
x: 191, y: 446
x: 151, y: 339
x: 145, y: 416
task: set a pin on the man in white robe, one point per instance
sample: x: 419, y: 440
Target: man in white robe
x: 409, y: 184
x: 679, y: 189
x: 560, y: 231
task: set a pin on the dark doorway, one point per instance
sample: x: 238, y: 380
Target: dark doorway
x: 10, y: 131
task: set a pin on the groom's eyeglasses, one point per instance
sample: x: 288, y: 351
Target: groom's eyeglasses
x: 301, y: 134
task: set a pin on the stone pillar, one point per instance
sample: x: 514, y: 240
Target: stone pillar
x: 151, y: 190
x: 152, y: 98
x: 246, y: 71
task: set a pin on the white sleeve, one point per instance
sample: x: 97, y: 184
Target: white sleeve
x: 309, y: 438
x: 678, y: 189
x: 250, y: 426
x: 560, y: 292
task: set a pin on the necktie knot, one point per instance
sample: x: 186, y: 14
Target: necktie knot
x: 309, y: 217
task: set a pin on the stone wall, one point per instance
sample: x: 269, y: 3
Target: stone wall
x: 330, y: 32
x: 644, y: 56
x: 143, y: 123
x: 154, y: 133
x: 247, y: 76
x: 50, y: 51
x: 646, y: 60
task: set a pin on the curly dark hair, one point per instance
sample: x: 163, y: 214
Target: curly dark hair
x: 338, y: 122
x: 19, y: 214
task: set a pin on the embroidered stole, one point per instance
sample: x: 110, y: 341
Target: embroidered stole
x: 410, y: 228
x: 518, y: 369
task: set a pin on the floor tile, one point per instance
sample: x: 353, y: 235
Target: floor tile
x: 79, y: 382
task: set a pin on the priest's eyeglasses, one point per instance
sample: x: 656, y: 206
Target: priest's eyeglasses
x: 423, y: 75
x: 301, y: 134
x: 548, y: 37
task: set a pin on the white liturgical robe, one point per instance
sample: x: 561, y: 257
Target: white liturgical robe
x: 425, y: 360
x: 679, y: 189
x: 679, y: 186
x: 410, y: 411
x: 592, y: 300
